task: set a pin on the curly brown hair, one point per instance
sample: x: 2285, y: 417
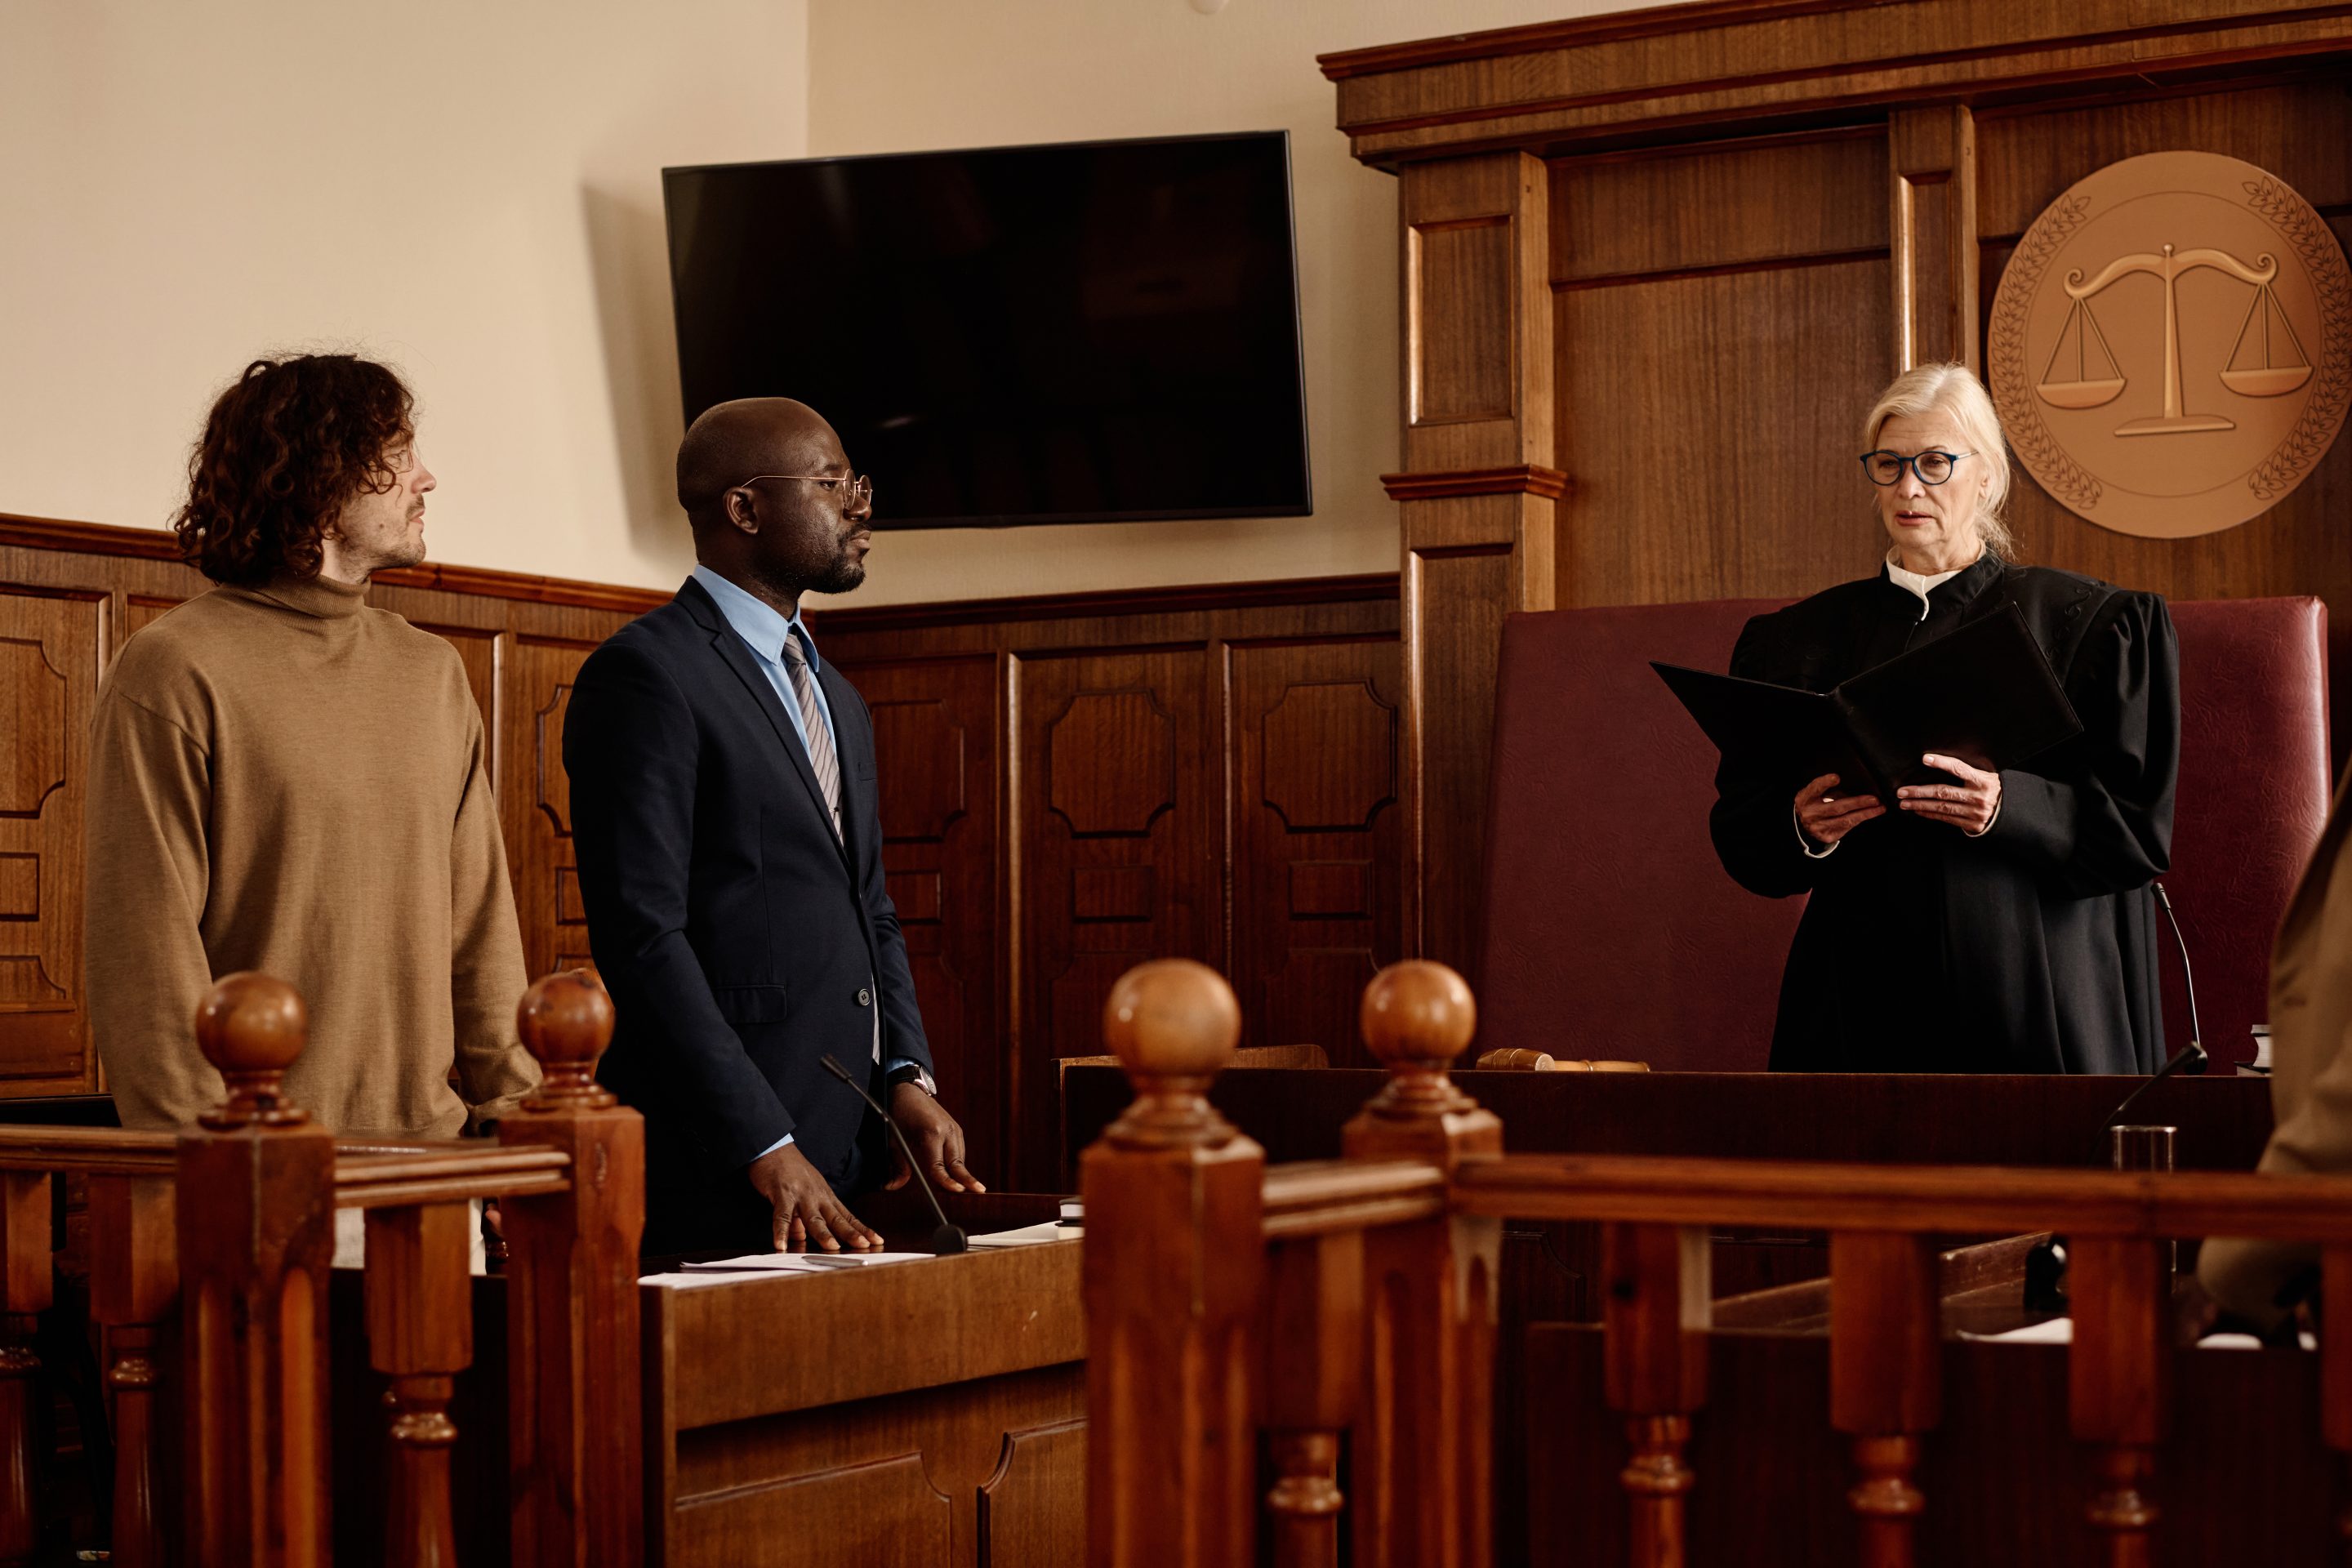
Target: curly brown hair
x: 285, y: 447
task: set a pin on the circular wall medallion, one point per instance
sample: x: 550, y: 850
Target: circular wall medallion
x: 2172, y: 345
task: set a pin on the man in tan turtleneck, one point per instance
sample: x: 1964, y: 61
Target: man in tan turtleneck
x: 283, y: 779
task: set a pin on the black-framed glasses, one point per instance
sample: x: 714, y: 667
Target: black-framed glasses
x: 1885, y: 467
x: 860, y: 490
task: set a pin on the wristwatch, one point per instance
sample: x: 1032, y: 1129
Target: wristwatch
x: 910, y: 1073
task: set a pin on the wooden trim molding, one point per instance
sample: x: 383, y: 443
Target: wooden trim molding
x: 1538, y: 38
x: 87, y: 537
x: 154, y: 544
x: 1113, y: 603
x: 1723, y: 62
x: 570, y: 592
x: 1519, y: 479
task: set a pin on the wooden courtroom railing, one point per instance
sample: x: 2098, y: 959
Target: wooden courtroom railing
x: 225, y: 1231
x: 1347, y: 1308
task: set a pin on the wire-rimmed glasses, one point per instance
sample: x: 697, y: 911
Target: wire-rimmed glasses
x: 1933, y: 467
x: 859, y: 493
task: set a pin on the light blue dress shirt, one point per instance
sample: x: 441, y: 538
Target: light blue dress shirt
x: 763, y: 631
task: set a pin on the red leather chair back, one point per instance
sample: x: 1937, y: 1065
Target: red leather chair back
x: 1612, y: 931
x: 2253, y: 797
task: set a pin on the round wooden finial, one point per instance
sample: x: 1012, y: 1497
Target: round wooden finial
x: 252, y: 1028
x: 1173, y: 1024
x: 566, y: 1021
x: 1417, y: 1017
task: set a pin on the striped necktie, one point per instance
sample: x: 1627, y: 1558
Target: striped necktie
x: 820, y: 739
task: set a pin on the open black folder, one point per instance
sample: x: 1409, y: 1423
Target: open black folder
x: 1984, y: 694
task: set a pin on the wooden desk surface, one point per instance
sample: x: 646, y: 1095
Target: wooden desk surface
x: 861, y: 1333
x: 928, y: 1412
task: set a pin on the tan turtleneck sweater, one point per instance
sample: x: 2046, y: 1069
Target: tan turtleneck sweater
x: 283, y: 779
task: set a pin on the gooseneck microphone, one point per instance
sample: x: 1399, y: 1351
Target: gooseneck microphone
x: 947, y: 1239
x: 2189, y: 1058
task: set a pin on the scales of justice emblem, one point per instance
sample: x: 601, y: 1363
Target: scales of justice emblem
x: 2196, y: 399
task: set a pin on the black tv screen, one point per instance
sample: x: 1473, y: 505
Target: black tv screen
x: 1098, y: 331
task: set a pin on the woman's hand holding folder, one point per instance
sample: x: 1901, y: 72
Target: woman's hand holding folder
x: 1825, y: 816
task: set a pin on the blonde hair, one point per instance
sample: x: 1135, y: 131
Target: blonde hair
x: 1954, y: 389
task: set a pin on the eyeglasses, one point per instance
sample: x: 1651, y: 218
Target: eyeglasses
x: 859, y: 493
x: 1933, y: 467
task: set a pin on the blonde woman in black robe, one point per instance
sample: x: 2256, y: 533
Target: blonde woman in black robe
x: 1991, y: 922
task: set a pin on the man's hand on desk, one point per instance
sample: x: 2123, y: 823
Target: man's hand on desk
x: 806, y: 1212
x: 938, y: 1142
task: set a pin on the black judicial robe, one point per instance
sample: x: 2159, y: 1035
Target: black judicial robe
x: 2030, y: 949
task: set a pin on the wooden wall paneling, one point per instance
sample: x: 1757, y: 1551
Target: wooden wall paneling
x: 49, y: 645
x: 141, y: 610
x: 1710, y: 377
x: 535, y: 799
x: 477, y: 649
x: 936, y: 742
x: 1477, y: 485
x: 1654, y: 211
x: 1115, y: 812
x: 1932, y: 220
x: 1215, y: 659
x: 1711, y: 432
x: 1318, y: 834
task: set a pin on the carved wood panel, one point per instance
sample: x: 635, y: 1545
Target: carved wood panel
x: 1101, y: 772
x: 885, y: 1513
x: 1025, y: 1520
x: 140, y: 610
x: 1118, y: 861
x: 935, y: 746
x: 49, y: 678
x: 1318, y: 834
x: 477, y: 648
x: 535, y: 799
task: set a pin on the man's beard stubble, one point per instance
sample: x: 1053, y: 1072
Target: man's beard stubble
x: 846, y: 572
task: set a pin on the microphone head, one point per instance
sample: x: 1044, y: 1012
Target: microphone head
x: 946, y: 1241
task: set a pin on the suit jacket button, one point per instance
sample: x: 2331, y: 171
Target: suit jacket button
x: 865, y: 997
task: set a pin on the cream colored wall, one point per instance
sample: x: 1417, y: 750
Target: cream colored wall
x: 469, y: 189
x: 472, y: 191
x: 897, y: 75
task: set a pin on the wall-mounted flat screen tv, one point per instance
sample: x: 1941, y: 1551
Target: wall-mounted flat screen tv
x: 1098, y: 332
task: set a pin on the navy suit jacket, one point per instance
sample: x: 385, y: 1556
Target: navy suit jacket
x: 741, y: 941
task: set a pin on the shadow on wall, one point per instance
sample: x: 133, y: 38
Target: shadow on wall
x: 628, y: 261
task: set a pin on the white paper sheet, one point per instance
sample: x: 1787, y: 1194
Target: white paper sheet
x: 1027, y: 1235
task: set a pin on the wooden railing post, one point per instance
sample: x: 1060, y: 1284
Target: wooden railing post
x: 574, y: 1437
x: 1174, y: 1274
x: 2119, y: 1380
x: 1654, y: 1306
x: 256, y: 1222
x: 135, y: 1278
x: 1425, y: 1451
x: 1886, y: 1378
x: 25, y: 1291
x: 420, y: 1326
x: 1314, y: 1371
